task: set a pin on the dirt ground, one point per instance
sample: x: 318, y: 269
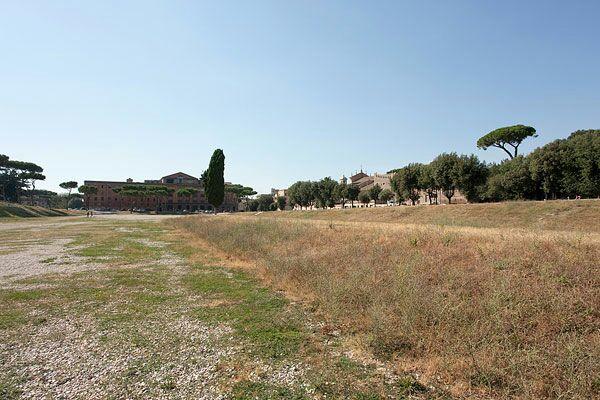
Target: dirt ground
x: 121, y: 306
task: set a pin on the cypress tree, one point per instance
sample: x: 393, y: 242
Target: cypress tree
x: 215, y: 181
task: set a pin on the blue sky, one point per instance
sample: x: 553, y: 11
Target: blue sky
x: 289, y: 90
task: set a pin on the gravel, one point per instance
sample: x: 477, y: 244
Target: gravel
x: 36, y: 259
x: 75, y: 356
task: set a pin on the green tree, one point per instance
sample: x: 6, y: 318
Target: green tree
x: 281, y: 202
x: 445, y: 173
x: 386, y: 195
x: 427, y: 183
x: 374, y: 192
x: 163, y: 192
x: 87, y: 191
x: 69, y: 185
x: 581, y: 164
x: 15, y: 176
x: 325, y: 192
x: 364, y: 197
x: 215, y: 179
x: 302, y: 193
x: 405, y: 182
x: 187, y: 193
x: 134, y: 193
x: 75, y: 202
x: 341, y: 193
x: 507, y: 138
x: 471, y: 177
x: 242, y: 192
x: 253, y: 205
x: 353, y: 192
x: 512, y: 180
x: 32, y: 174
x: 264, y: 202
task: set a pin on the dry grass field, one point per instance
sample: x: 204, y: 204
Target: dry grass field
x: 125, y: 307
x: 573, y: 215
x: 499, y: 300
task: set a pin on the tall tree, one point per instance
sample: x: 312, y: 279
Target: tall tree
x: 386, y: 195
x: 3, y: 172
x: 427, y: 183
x: 353, y: 192
x: 264, y: 202
x: 325, y: 191
x: 364, y: 197
x: 374, y: 192
x: 341, y: 193
x: 87, y: 191
x: 444, y: 169
x: 32, y: 175
x: 405, y: 182
x: 281, y: 202
x: 507, y: 138
x: 512, y: 180
x: 302, y: 193
x: 215, y: 179
x: 69, y: 185
x: 471, y: 176
x: 242, y: 192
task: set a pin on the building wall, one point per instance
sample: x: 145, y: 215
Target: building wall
x: 107, y: 199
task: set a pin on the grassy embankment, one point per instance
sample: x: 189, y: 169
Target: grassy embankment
x: 580, y: 215
x: 494, y: 312
x: 14, y: 210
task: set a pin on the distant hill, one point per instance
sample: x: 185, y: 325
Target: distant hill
x: 22, y: 211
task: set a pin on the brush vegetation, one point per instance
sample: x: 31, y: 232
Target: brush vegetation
x: 502, y: 312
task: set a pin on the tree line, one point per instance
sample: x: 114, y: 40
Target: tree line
x: 564, y: 168
x: 17, y: 177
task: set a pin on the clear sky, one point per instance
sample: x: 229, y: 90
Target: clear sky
x: 289, y: 90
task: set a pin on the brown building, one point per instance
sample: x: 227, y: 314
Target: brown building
x: 107, y: 199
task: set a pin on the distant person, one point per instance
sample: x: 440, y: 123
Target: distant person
x: 87, y: 214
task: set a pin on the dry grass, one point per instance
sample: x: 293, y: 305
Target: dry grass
x: 501, y: 315
x: 560, y: 215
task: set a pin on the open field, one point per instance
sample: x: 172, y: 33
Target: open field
x: 574, y: 215
x: 124, y: 306
x: 13, y: 210
x: 489, y: 305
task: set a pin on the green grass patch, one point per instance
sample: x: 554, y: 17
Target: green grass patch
x: 253, y: 311
x: 247, y: 390
x: 10, y: 319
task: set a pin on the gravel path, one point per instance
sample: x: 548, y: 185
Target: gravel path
x: 36, y: 259
x: 154, y: 317
x: 96, y: 353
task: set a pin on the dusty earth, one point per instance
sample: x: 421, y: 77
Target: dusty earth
x: 119, y: 306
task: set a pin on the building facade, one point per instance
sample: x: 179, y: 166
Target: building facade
x: 107, y: 199
x: 365, y: 182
